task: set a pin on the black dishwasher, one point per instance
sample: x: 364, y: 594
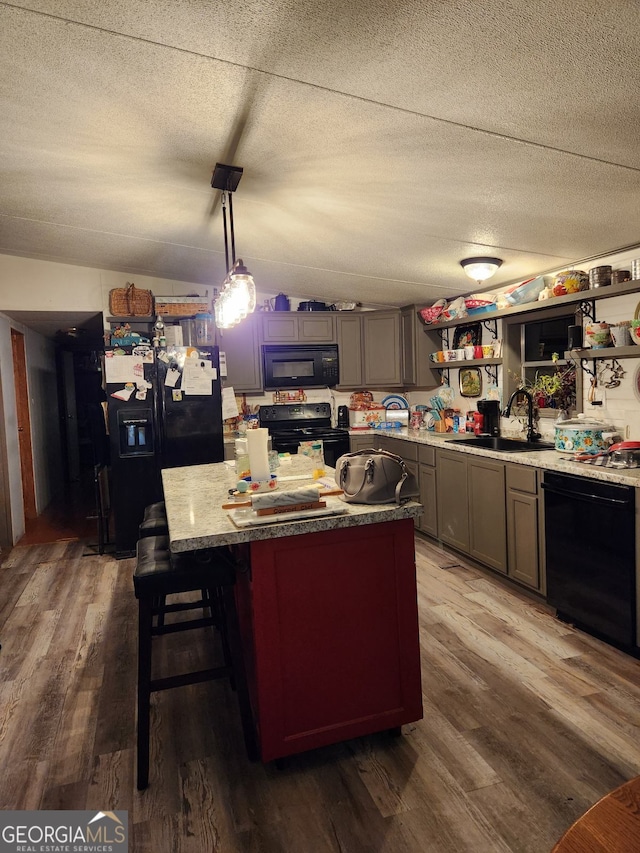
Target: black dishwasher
x: 590, y: 555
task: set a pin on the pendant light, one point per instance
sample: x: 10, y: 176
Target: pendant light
x: 481, y: 268
x: 237, y: 298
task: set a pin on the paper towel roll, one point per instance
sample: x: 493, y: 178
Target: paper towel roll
x: 258, y: 453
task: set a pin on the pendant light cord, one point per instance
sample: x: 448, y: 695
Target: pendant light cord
x: 223, y: 197
x: 233, y: 236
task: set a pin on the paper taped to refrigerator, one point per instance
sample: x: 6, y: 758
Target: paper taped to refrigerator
x: 123, y: 368
x: 197, y: 376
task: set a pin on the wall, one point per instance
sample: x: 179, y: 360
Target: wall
x: 45, y: 418
x: 29, y: 284
x: 621, y: 405
x: 43, y: 405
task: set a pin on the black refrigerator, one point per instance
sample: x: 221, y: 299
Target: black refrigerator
x: 165, y: 410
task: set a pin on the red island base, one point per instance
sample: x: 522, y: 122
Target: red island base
x: 329, y: 624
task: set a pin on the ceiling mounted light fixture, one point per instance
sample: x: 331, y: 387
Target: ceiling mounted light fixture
x: 481, y: 268
x: 238, y: 294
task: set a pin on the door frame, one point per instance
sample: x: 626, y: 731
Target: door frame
x: 6, y: 528
x: 20, y: 378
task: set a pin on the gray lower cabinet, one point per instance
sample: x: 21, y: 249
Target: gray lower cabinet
x: 471, y: 507
x: 428, y: 521
x: 383, y: 442
x: 408, y: 452
x: 524, y: 533
x: 487, y: 509
x: 487, y: 512
x: 242, y: 348
x: 362, y: 442
x: 453, y: 501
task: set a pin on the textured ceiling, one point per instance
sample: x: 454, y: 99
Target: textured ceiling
x: 381, y: 142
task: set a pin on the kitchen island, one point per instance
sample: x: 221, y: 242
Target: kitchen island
x: 327, y: 608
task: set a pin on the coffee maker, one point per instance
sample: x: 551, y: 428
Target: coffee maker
x: 343, y: 417
x: 490, y: 410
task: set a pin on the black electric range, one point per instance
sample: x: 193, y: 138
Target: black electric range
x: 291, y: 423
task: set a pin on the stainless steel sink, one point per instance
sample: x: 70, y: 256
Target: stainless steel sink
x: 504, y: 445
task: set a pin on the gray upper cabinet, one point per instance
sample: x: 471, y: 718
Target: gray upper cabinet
x: 381, y: 349
x: 386, y: 349
x: 303, y: 327
x: 349, y: 335
x: 242, y: 347
x: 417, y: 344
x: 369, y: 349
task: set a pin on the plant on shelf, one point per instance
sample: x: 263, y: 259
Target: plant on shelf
x: 556, y: 390
x: 551, y: 392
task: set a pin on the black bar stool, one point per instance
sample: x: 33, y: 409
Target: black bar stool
x: 154, y: 521
x: 158, y: 574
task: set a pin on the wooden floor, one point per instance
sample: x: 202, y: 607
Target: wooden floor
x: 527, y: 723
x: 72, y: 515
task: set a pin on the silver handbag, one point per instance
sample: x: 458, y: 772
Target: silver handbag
x: 375, y: 477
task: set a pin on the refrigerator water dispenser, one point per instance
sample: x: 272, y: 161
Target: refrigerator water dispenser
x: 135, y: 428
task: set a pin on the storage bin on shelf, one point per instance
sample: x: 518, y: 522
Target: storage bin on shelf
x: 181, y: 306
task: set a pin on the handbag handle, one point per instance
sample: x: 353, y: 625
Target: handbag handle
x: 401, y: 483
x: 368, y: 467
x: 343, y: 477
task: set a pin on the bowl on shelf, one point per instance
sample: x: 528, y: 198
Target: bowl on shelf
x: 634, y: 331
x: 570, y: 281
x: 597, y: 335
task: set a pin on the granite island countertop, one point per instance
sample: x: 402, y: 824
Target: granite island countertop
x: 548, y: 460
x: 194, y: 496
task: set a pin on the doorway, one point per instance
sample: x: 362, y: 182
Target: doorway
x: 24, y: 424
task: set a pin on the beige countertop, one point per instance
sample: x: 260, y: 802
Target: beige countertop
x: 194, y: 496
x: 548, y: 460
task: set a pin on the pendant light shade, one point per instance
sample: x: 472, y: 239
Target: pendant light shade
x: 245, y: 288
x: 481, y: 268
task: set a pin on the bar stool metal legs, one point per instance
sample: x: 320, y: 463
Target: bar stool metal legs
x: 157, y: 575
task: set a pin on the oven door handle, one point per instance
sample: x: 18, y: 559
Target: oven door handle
x: 586, y: 498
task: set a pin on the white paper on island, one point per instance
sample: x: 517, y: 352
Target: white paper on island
x: 258, y: 453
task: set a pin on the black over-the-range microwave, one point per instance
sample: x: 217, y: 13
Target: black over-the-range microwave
x: 299, y: 366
